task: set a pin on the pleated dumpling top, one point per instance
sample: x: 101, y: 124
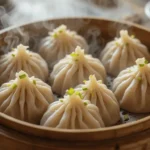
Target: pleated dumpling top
x: 132, y: 87
x: 122, y: 53
x: 60, y: 43
x: 22, y: 59
x: 25, y: 98
x: 99, y: 95
x: 73, y: 69
x: 72, y: 112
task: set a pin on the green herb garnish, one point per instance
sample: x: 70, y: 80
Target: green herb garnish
x: 141, y: 65
x: 139, y: 78
x: 61, y: 100
x: 84, y: 88
x: 34, y: 82
x: 8, y: 84
x: 146, y: 62
x: 60, y: 31
x: 55, y: 35
x: 84, y: 81
x: 14, y: 86
x: 70, y: 91
x: 117, y: 44
x: 79, y: 94
x: 22, y: 76
x: 132, y: 36
x: 85, y: 103
x: 126, y: 117
x: 13, y: 55
x: 74, y: 54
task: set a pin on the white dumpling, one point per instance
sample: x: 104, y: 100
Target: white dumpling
x: 60, y: 43
x: 25, y: 98
x: 72, y: 112
x: 73, y: 69
x: 122, y: 53
x: 22, y: 59
x: 132, y: 87
x: 99, y: 95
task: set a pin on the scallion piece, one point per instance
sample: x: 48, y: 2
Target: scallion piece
x: 61, y: 100
x: 14, y: 86
x: 132, y: 36
x: 84, y: 81
x: 85, y: 103
x: 84, y: 88
x: 126, y: 117
x: 146, y: 61
x: 22, y: 76
x: 13, y: 55
x: 139, y: 78
x: 79, y: 94
x: 34, y: 82
x: 141, y: 65
x: 70, y: 91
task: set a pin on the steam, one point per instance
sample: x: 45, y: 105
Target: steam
x: 26, y: 11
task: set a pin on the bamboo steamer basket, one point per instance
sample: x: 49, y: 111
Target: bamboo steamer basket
x: 16, y: 134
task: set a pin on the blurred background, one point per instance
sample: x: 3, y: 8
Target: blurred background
x: 16, y: 12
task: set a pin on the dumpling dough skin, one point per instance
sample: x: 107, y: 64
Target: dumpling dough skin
x: 73, y: 69
x: 122, y: 53
x: 132, y: 87
x: 72, y: 112
x: 99, y: 95
x: 22, y: 59
x: 60, y: 43
x: 25, y: 98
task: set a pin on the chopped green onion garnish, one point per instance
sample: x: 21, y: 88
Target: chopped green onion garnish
x: 60, y: 31
x: 139, y: 78
x: 22, y: 76
x: 132, y: 36
x: 61, y: 100
x: 79, y: 94
x: 117, y: 44
x: 146, y: 61
x: 74, y: 54
x: 34, y: 82
x: 8, y: 84
x: 13, y: 55
x: 84, y: 88
x: 55, y: 35
x: 70, y: 91
x: 84, y: 81
x: 126, y: 117
x: 14, y: 86
x: 85, y: 103
x: 141, y: 65
x: 13, y: 49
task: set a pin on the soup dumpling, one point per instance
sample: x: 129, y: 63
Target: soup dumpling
x: 60, y: 43
x: 73, y: 69
x: 132, y: 87
x: 25, y: 98
x: 122, y: 53
x: 71, y: 112
x: 99, y: 95
x: 22, y: 59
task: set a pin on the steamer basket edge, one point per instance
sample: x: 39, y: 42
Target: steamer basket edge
x: 110, y: 133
